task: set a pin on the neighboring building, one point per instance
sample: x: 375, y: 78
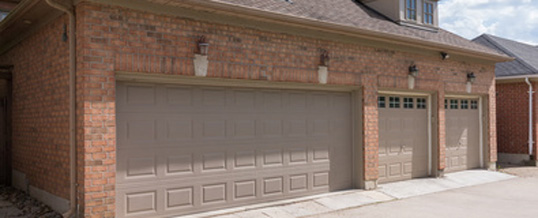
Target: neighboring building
x: 514, y: 78
x: 185, y: 106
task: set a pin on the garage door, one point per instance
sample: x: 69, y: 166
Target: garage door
x: 403, y: 137
x: 462, y: 134
x: 187, y: 149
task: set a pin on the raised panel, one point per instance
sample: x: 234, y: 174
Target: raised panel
x: 214, y: 161
x: 245, y: 99
x: 245, y: 128
x: 298, y: 182
x: 141, y: 130
x: 140, y: 202
x: 382, y: 170
x: 180, y: 197
x: 245, y: 159
x: 321, y: 128
x: 176, y: 96
x: 272, y: 127
x: 272, y: 157
x: 298, y: 155
x: 180, y: 164
x: 214, y: 129
x: 297, y: 128
x: 408, y: 168
x: 395, y: 169
x: 273, y: 185
x: 140, y: 95
x: 245, y: 189
x: 179, y: 129
x: 272, y: 100
x: 140, y: 166
x: 297, y: 101
x: 321, y: 179
x: 214, y: 97
x: 214, y: 193
x: 321, y: 154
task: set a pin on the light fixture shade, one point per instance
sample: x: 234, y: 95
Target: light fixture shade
x: 413, y: 70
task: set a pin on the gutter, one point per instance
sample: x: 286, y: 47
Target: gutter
x: 72, y: 82
x: 531, y: 141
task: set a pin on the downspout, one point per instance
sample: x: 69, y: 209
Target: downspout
x: 72, y: 73
x: 530, y: 116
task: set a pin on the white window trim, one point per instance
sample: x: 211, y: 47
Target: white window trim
x: 424, y: 13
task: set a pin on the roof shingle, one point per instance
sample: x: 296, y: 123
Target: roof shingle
x: 526, y: 56
x: 355, y: 15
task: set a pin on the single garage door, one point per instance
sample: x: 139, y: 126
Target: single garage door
x: 187, y: 149
x: 462, y: 134
x: 403, y: 137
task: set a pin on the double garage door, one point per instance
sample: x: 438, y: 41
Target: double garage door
x: 403, y: 136
x: 187, y: 149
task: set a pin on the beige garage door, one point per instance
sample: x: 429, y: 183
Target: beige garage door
x: 403, y: 137
x: 188, y: 149
x: 462, y: 134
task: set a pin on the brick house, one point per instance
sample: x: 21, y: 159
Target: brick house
x: 159, y: 108
x: 516, y: 117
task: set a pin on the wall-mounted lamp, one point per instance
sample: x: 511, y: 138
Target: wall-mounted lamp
x: 324, y: 58
x: 323, y: 68
x: 203, y: 46
x: 444, y: 55
x: 471, y: 77
x: 470, y: 80
x: 413, y: 70
x: 413, y: 73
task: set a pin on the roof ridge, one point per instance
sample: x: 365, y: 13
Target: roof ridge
x: 492, y: 39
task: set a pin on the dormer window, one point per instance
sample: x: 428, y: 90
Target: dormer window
x: 421, y: 14
x: 411, y: 11
x: 428, y: 13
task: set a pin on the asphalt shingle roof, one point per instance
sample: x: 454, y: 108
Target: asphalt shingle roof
x: 354, y: 14
x: 526, y: 56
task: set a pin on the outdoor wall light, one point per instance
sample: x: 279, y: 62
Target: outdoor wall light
x: 203, y: 46
x: 324, y: 58
x: 445, y: 55
x: 413, y: 70
x: 471, y: 77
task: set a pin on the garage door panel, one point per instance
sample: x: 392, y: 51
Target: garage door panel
x: 403, y: 137
x: 462, y: 135
x: 207, y: 148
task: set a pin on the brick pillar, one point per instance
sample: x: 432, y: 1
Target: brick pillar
x: 441, y: 146
x: 371, y: 132
x: 96, y: 138
x: 492, y: 148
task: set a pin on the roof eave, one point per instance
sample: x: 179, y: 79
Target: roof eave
x: 255, y: 13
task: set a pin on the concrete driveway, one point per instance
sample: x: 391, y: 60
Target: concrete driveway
x: 516, y: 197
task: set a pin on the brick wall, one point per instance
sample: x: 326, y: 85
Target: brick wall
x: 118, y: 39
x: 41, y: 108
x: 513, y: 117
x: 113, y: 39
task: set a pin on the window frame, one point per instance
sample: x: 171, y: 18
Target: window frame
x: 428, y: 14
x: 408, y: 103
x: 394, y: 102
x: 409, y: 9
x: 422, y: 103
x: 381, y: 102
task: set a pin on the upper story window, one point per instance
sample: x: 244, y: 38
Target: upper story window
x: 411, y: 9
x: 428, y: 13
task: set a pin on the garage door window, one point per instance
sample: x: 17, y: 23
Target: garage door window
x: 394, y: 102
x: 474, y: 105
x: 421, y: 103
x: 409, y: 103
x: 381, y: 103
x: 464, y: 104
x: 453, y: 104
x: 446, y: 103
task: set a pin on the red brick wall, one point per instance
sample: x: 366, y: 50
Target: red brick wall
x: 41, y: 108
x: 513, y: 117
x: 117, y: 39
